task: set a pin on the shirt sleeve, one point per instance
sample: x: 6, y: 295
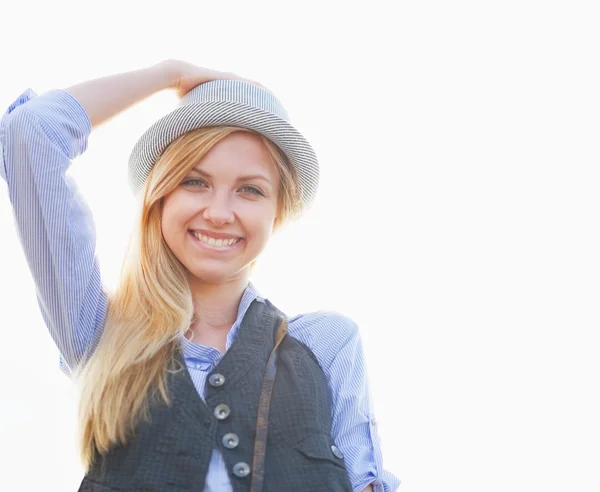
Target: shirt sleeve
x: 335, y: 341
x: 39, y: 137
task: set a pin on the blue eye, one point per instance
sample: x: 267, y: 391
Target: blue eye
x: 189, y: 181
x: 254, y: 190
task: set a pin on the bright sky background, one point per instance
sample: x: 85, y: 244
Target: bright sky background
x: 457, y: 221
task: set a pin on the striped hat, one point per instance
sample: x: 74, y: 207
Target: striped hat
x: 233, y: 103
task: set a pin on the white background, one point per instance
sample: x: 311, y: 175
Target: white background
x: 456, y: 221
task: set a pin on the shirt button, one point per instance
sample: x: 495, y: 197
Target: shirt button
x: 222, y: 411
x: 336, y: 451
x: 231, y: 440
x: 216, y: 379
x: 241, y: 469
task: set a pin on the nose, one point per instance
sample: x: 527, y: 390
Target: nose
x: 218, y: 210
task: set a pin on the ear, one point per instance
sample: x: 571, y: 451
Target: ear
x: 276, y: 224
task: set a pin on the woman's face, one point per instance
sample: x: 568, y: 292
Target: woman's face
x: 230, y: 194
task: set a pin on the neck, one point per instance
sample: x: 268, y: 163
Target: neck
x: 216, y: 305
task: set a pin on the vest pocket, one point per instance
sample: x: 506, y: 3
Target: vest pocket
x: 319, y: 447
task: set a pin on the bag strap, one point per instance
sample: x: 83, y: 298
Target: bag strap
x: 262, y: 419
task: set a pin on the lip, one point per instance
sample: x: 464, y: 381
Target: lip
x: 206, y: 247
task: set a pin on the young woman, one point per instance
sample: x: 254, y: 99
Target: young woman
x: 190, y: 379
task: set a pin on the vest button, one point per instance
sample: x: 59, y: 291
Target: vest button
x: 231, y: 440
x: 241, y: 469
x: 216, y: 379
x: 336, y: 451
x: 222, y: 411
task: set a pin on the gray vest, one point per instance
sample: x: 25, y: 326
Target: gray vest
x: 171, y: 453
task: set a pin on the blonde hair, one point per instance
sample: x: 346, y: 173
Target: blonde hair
x: 152, y: 305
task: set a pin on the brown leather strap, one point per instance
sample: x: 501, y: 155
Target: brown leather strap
x: 262, y: 419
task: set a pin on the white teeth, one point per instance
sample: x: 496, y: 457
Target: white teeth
x: 219, y: 243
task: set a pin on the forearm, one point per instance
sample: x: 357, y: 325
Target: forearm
x: 106, y: 97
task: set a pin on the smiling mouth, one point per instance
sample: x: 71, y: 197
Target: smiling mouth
x: 215, y: 244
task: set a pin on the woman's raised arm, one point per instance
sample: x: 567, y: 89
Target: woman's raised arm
x: 105, y: 97
x: 39, y: 138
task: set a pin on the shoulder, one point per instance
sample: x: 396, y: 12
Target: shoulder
x: 319, y: 325
x: 326, y: 333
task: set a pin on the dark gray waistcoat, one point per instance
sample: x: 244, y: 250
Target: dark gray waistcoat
x: 171, y: 453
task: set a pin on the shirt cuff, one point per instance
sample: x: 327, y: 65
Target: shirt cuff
x: 27, y: 95
x: 62, y: 117
x: 381, y: 479
x: 69, y: 125
x: 383, y: 485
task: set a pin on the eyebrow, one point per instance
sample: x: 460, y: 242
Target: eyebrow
x: 241, y: 178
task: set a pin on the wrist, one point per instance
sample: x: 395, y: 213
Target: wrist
x: 169, y: 73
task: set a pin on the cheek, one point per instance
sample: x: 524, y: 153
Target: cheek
x: 177, y: 211
x: 259, y: 224
x: 173, y: 220
x: 167, y: 231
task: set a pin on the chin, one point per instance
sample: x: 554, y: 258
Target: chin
x: 215, y: 275
x: 208, y: 276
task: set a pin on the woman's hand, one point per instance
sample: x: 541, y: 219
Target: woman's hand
x: 186, y: 76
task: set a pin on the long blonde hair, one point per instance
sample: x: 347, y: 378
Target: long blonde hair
x: 152, y: 305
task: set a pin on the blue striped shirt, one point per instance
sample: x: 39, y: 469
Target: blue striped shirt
x: 39, y: 138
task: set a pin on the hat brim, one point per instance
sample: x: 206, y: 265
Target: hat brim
x: 225, y: 113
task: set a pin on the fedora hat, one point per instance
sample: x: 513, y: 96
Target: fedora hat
x: 237, y: 103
